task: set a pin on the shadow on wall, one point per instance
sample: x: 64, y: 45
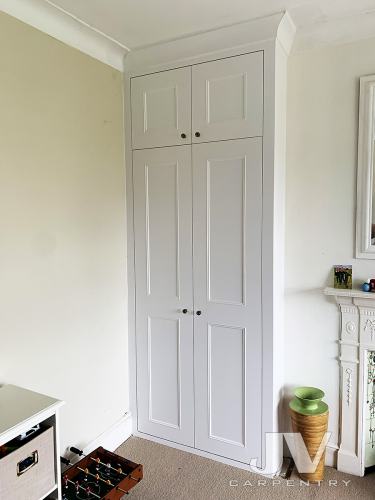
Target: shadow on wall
x: 312, y: 291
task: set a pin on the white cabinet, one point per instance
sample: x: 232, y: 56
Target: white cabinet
x: 227, y: 291
x: 161, y: 109
x: 228, y: 98
x: 216, y: 100
x: 205, y: 239
x: 163, y: 242
x: 224, y: 317
x: 21, y: 412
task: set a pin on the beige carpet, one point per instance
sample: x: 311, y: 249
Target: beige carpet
x: 173, y: 474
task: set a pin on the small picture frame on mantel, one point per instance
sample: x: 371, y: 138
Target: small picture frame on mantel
x: 342, y: 275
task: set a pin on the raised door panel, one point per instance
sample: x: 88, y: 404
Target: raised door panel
x: 161, y: 109
x: 227, y: 290
x: 163, y: 255
x: 228, y: 98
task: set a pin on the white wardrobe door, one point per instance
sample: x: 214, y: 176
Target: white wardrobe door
x: 228, y: 98
x: 161, y: 109
x: 227, y: 291
x: 163, y: 250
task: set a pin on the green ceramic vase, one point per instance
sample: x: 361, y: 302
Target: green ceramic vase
x: 308, y: 401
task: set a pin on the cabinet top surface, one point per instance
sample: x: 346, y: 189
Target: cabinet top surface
x: 17, y: 405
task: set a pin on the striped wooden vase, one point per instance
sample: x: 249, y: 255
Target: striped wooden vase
x: 309, y: 415
x: 312, y: 429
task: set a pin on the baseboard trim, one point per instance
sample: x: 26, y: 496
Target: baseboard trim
x: 110, y: 439
x: 331, y: 455
x: 330, y: 459
x: 122, y: 430
x: 113, y: 437
x: 194, y: 451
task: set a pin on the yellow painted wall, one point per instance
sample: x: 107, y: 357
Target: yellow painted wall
x: 62, y: 229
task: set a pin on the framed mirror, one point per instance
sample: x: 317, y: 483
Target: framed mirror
x: 365, y: 237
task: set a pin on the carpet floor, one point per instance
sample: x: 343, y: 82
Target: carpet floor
x: 173, y: 474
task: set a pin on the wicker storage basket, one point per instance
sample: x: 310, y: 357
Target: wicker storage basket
x: 28, y: 473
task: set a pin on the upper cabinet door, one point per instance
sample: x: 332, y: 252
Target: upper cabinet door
x: 161, y: 109
x: 228, y: 98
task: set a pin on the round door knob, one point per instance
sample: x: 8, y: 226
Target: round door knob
x: 184, y: 311
x: 199, y: 313
x: 183, y: 136
x: 197, y: 134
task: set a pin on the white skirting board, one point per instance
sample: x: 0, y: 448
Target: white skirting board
x: 122, y: 430
x: 112, y: 438
x: 330, y: 461
x: 194, y: 451
x: 331, y: 455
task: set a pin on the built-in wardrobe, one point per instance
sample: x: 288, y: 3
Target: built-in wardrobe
x: 205, y: 137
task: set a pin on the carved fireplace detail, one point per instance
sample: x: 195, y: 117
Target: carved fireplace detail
x: 357, y: 351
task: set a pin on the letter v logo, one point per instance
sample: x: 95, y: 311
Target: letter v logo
x: 300, y: 453
x: 304, y: 463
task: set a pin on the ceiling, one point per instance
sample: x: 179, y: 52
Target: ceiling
x: 135, y: 23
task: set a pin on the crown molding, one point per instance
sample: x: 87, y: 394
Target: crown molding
x: 60, y: 24
x: 46, y: 17
x: 286, y: 32
x: 220, y: 42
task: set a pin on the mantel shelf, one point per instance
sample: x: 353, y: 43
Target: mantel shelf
x: 342, y: 292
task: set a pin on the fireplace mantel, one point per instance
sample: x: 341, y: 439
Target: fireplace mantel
x: 357, y: 294
x: 357, y: 337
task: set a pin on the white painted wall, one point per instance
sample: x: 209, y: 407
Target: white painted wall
x: 322, y: 121
x: 62, y: 229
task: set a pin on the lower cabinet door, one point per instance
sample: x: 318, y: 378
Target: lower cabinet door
x: 227, y: 221
x: 164, y: 298
x: 199, y: 353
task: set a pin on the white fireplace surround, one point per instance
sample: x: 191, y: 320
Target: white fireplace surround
x: 357, y: 337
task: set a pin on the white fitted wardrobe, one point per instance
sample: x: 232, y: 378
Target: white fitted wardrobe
x: 205, y: 124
